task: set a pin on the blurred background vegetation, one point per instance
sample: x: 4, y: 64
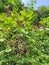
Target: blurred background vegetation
x: 24, y: 33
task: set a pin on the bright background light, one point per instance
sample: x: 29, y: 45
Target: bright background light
x: 38, y: 4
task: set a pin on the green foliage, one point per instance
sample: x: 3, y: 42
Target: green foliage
x: 45, y: 22
x: 22, y: 43
x: 44, y: 11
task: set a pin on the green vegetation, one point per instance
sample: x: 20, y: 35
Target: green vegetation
x: 24, y: 34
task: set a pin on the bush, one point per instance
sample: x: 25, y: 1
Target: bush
x: 22, y: 43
